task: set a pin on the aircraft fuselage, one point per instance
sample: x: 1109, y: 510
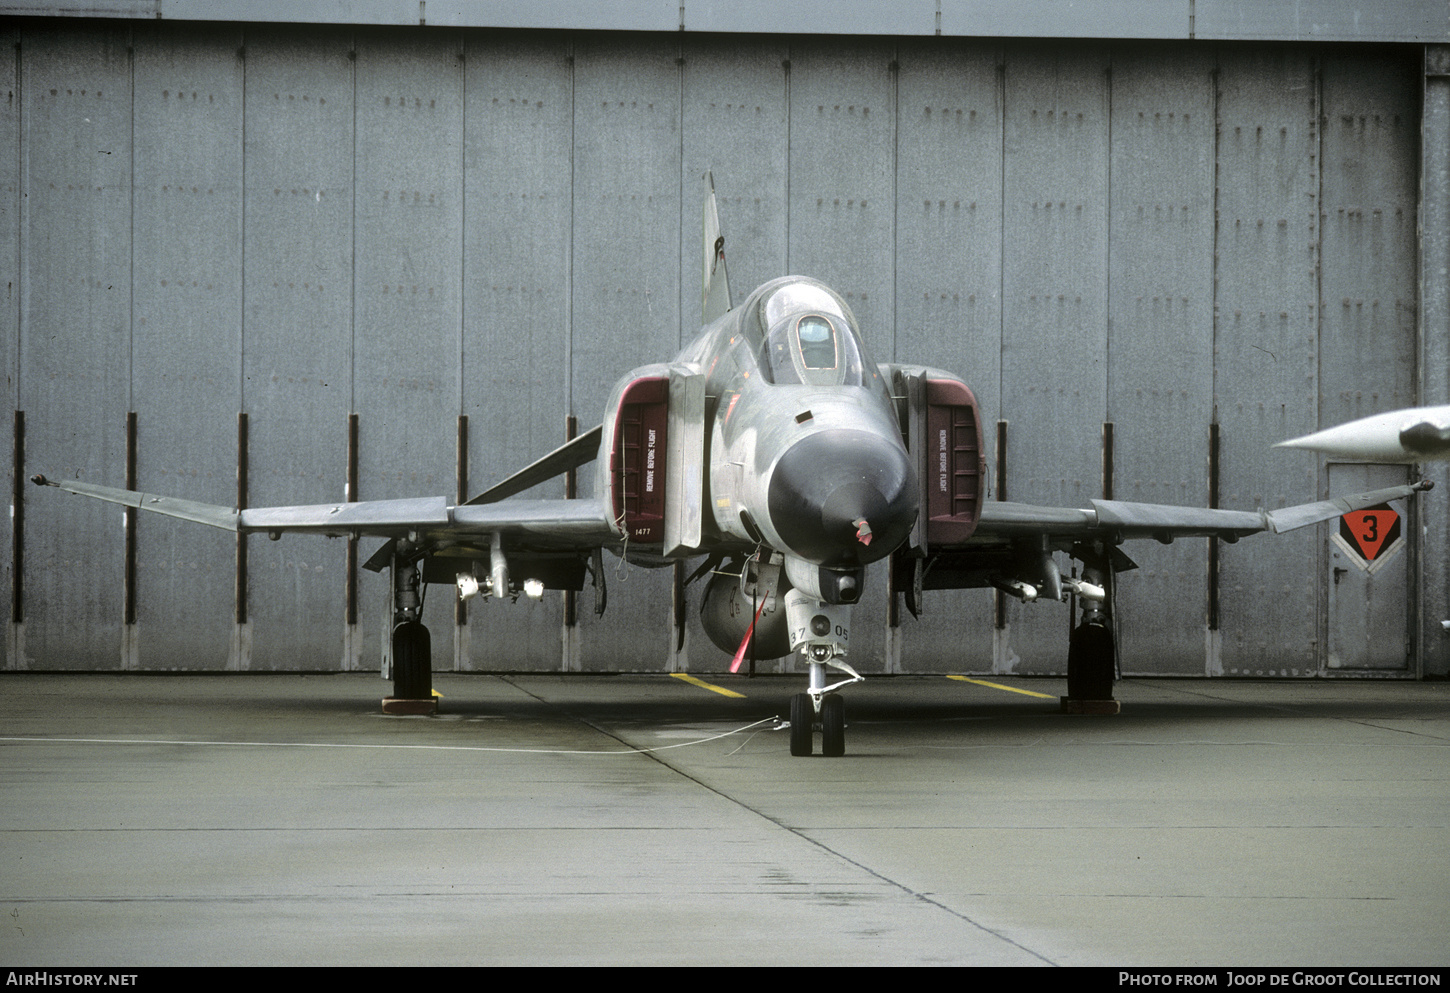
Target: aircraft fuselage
x: 805, y: 452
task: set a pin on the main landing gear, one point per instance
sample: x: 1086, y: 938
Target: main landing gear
x: 412, y: 646
x: 1092, y: 657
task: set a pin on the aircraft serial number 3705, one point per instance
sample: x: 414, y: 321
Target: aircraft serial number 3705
x: 772, y: 443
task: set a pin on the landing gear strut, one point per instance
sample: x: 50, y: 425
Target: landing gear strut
x: 1092, y: 658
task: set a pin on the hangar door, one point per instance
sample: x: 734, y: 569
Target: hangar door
x: 298, y: 287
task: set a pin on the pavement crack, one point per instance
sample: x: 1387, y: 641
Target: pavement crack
x: 840, y: 856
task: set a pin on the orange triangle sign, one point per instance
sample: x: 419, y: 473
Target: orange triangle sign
x: 1371, y: 530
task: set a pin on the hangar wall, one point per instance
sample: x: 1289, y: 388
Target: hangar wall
x: 279, y: 264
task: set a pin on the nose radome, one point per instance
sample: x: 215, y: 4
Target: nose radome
x: 842, y: 497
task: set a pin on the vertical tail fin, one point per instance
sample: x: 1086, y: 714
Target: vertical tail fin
x: 715, y: 285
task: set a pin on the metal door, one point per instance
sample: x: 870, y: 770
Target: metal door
x: 1368, y: 576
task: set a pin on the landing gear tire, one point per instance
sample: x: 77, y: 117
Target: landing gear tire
x: 833, y: 726
x: 412, y: 661
x: 1090, y: 663
x: 802, y: 715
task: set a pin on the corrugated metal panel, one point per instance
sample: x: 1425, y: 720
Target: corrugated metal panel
x: 948, y: 282
x: 516, y: 300
x: 9, y: 306
x: 186, y: 336
x: 1369, y: 143
x: 296, y: 354
x: 409, y: 192
x: 1160, y: 343
x: 1054, y: 298
x: 1266, y: 342
x: 842, y: 131
x: 734, y: 125
x: 76, y: 325
x: 626, y: 302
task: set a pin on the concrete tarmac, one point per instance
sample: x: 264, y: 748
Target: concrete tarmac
x: 282, y: 820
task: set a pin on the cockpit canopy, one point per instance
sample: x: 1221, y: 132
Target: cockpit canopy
x: 809, y: 338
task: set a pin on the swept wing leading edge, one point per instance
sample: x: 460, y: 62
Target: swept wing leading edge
x: 545, y: 523
x: 1117, y: 520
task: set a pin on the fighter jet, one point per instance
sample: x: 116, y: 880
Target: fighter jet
x: 775, y: 452
x: 1419, y: 434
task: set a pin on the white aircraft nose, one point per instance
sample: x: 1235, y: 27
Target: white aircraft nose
x: 1417, y: 435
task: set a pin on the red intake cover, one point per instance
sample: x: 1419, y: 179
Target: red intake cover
x: 953, y: 468
x: 637, y: 459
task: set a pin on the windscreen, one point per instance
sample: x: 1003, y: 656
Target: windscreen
x: 812, y: 348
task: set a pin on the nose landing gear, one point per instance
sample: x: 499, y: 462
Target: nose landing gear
x: 821, y: 707
x: 821, y: 632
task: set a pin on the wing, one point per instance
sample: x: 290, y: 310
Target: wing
x: 1013, y: 544
x: 1116, y: 521
x: 543, y: 524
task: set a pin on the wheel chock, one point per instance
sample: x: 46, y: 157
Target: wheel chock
x: 1071, y: 706
x: 396, y: 705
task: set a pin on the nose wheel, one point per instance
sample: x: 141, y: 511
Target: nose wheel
x: 803, y: 721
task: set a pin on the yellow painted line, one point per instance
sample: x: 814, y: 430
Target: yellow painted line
x: 706, y: 686
x: 999, y: 686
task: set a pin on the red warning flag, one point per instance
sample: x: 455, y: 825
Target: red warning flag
x: 1370, y: 531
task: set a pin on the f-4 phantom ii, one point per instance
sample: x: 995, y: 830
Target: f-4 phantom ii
x: 774, y: 450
